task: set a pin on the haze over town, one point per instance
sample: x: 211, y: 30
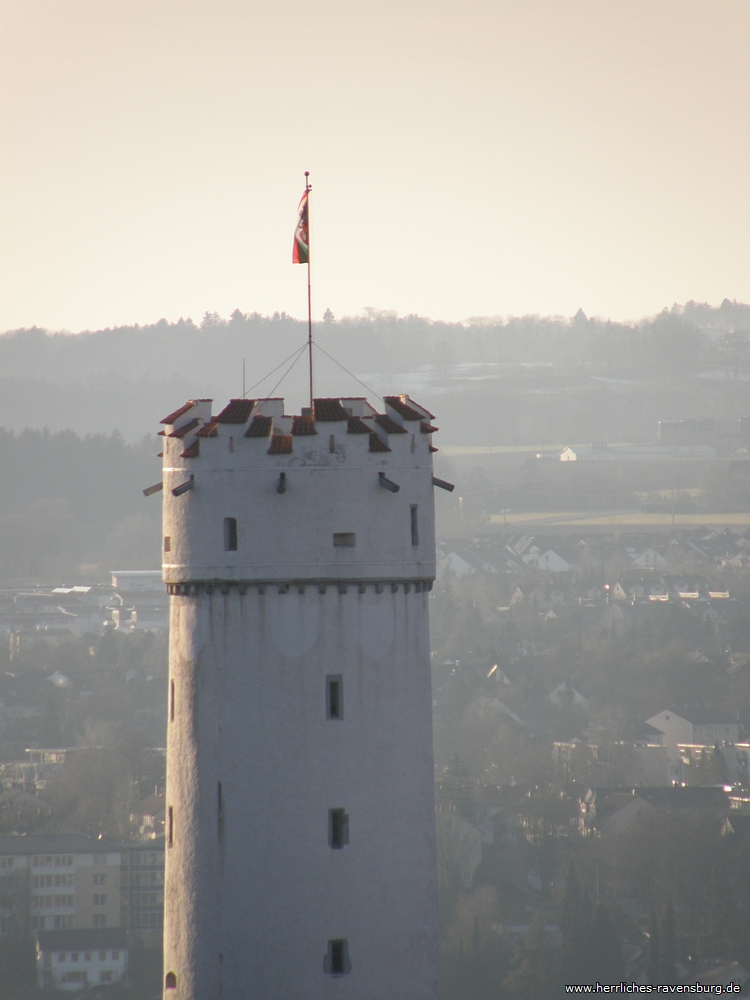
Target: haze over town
x: 532, y: 218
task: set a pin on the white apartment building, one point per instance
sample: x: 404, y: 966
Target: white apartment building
x: 61, y: 882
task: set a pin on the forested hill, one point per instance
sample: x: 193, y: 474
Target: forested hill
x: 524, y: 380
x: 71, y: 508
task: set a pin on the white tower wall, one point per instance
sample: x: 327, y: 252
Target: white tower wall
x: 329, y: 578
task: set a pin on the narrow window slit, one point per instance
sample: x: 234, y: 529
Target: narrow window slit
x: 230, y: 534
x: 334, y: 696
x: 219, y: 811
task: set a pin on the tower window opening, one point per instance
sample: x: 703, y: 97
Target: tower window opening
x: 334, y: 696
x: 167, y: 543
x: 337, y: 959
x: 414, y: 524
x: 230, y: 534
x: 170, y: 981
x: 220, y: 812
x: 170, y: 827
x: 344, y: 539
x: 338, y: 828
x: 171, y: 701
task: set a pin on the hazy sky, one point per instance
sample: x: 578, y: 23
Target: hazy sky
x: 468, y: 158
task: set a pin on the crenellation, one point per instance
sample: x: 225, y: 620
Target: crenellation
x: 245, y: 419
x: 358, y: 406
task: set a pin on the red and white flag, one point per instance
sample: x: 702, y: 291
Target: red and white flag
x: 301, y: 248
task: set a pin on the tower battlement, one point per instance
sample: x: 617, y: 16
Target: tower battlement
x: 342, y: 494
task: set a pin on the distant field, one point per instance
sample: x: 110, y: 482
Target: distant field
x: 624, y: 519
x: 456, y: 450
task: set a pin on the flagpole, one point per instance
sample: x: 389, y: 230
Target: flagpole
x: 309, y: 297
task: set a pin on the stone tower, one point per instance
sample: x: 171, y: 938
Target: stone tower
x: 298, y: 553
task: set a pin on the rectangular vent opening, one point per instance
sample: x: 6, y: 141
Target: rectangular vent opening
x: 338, y: 829
x: 337, y: 961
x: 344, y: 539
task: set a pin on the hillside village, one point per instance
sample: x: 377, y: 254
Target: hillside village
x: 590, y: 690
x: 592, y: 699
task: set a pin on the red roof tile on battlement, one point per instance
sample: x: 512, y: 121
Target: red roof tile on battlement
x: 357, y: 426
x: 388, y: 425
x: 415, y: 408
x: 193, y: 451
x: 376, y: 444
x: 178, y: 413
x: 260, y: 427
x: 185, y: 429
x: 426, y: 428
x: 328, y: 410
x: 209, y: 430
x: 303, y: 426
x: 183, y: 409
x: 281, y: 444
x: 403, y: 410
x: 237, y: 411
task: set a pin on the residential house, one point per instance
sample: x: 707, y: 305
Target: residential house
x: 21, y: 809
x: 723, y: 973
x: 54, y: 613
x: 78, y: 959
x: 454, y: 563
x: 32, y: 774
x: 459, y: 849
x: 549, y: 561
x: 141, y: 601
x: 566, y: 694
x: 637, y: 764
x: 628, y: 810
x: 643, y: 734
x: 614, y: 810
x: 147, y: 818
x: 697, y: 728
x: 648, y: 559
